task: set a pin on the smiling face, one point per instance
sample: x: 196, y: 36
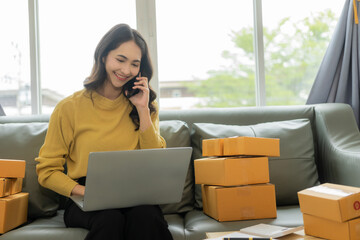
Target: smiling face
x: 121, y: 65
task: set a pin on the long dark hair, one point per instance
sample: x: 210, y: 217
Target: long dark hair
x: 111, y: 40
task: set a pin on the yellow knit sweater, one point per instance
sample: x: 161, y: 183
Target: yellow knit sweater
x: 81, y: 124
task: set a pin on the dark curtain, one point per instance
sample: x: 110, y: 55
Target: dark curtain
x: 338, y: 77
x: 2, y: 113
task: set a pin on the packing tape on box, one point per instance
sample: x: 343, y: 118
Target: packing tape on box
x: 330, y: 191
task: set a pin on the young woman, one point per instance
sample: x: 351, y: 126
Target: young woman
x: 105, y: 116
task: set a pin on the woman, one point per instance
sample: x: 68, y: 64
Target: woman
x: 105, y: 116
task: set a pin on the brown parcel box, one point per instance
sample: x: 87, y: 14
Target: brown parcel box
x: 13, y: 211
x: 331, y: 201
x: 10, y: 186
x: 239, y: 203
x: 252, y: 146
x: 245, y: 146
x: 16, y: 185
x: 213, y: 147
x: 328, y: 229
x: 231, y: 171
x: 5, y: 187
x: 12, y: 168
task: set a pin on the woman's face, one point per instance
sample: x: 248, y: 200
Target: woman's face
x: 122, y: 64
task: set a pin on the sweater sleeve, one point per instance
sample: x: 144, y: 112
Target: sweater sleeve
x: 55, y: 150
x: 151, y: 137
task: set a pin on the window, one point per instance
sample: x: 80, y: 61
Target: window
x: 200, y: 46
x: 69, y: 32
x: 14, y: 58
x: 205, y: 49
x: 210, y: 50
x: 296, y: 36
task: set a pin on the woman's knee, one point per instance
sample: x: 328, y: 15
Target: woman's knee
x: 145, y: 211
x: 108, y: 218
x: 145, y: 215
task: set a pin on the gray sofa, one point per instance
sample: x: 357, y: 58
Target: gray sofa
x: 318, y: 143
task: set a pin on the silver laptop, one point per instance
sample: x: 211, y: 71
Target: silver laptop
x: 122, y: 179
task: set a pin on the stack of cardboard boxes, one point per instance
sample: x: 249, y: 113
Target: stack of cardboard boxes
x: 235, y: 178
x: 331, y: 211
x: 13, y: 202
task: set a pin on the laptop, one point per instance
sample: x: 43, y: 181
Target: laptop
x: 120, y: 179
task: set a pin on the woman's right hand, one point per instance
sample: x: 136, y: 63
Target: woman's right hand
x: 78, y: 190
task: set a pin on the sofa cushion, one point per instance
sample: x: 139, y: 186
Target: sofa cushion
x: 53, y: 228
x: 177, y: 134
x: 23, y: 141
x: 296, y: 161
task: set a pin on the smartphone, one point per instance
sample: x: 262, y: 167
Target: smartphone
x: 128, y: 87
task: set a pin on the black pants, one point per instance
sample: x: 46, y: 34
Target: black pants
x: 141, y: 222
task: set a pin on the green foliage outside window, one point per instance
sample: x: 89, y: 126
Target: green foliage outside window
x: 293, y: 52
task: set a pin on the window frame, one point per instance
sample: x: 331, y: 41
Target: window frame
x: 35, y: 79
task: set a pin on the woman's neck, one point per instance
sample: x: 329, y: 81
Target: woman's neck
x: 108, y: 91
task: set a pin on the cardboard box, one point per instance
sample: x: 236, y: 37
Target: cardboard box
x: 13, y: 211
x: 328, y: 229
x: 252, y: 146
x: 5, y: 187
x: 16, y: 185
x: 213, y: 147
x: 232, y: 171
x: 10, y: 186
x: 331, y: 201
x: 12, y: 168
x: 239, y: 203
x: 246, y: 146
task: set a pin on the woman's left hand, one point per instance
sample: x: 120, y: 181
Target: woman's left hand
x: 141, y: 100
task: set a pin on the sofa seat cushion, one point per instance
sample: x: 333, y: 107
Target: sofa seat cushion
x: 54, y: 228
x: 293, y: 171
x: 176, y: 225
x: 197, y: 223
x: 46, y: 228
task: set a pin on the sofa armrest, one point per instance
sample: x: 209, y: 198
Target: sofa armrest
x: 338, y: 141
